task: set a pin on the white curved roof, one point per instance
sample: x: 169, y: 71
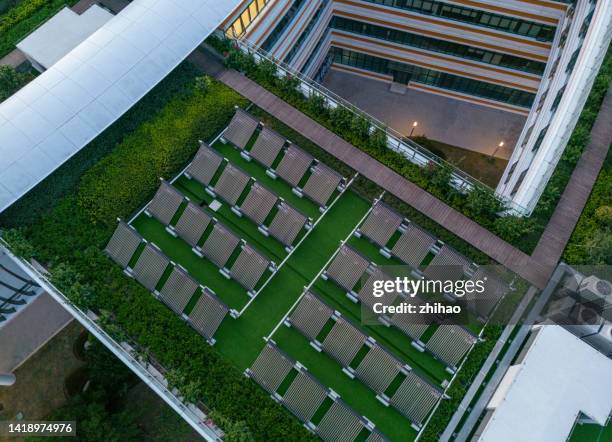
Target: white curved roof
x: 63, y: 109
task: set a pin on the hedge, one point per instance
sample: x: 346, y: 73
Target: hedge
x: 22, y: 19
x: 577, y: 143
x: 480, y: 205
x: 70, y: 238
x: 31, y: 207
x: 591, y: 241
x: 11, y: 81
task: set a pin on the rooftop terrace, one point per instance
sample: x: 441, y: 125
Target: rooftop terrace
x: 308, y: 265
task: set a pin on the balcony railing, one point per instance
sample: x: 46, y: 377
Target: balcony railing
x: 396, y: 141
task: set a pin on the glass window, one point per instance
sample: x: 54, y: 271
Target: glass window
x: 437, y: 45
x: 437, y: 78
x: 470, y: 15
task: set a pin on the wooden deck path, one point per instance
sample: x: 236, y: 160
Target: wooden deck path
x: 536, y: 269
x: 576, y: 194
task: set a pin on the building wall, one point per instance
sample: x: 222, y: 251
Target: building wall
x: 561, y: 97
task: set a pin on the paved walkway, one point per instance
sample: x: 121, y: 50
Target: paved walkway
x: 576, y: 194
x: 423, y: 201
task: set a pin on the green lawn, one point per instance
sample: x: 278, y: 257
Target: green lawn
x: 591, y: 433
x: 277, y: 186
x: 361, y: 398
x: 242, y: 340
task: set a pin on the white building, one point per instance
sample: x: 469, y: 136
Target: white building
x: 556, y: 380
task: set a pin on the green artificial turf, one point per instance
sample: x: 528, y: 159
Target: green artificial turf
x: 591, y: 433
x: 242, y: 340
x: 204, y: 271
x: 360, y: 397
x: 389, y: 337
x: 277, y: 186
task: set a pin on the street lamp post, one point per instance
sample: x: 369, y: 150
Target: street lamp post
x: 414, y: 125
x: 499, y: 146
x: 7, y: 379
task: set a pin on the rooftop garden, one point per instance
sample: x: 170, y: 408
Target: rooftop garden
x: 118, y: 173
x: 591, y: 242
x: 11, y: 81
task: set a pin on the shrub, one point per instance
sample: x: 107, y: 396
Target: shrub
x: 603, y: 216
x: 18, y: 243
x: 591, y: 241
x: 11, y: 81
x: 202, y: 83
x: 46, y: 195
x: 575, y: 146
x: 316, y: 104
x: 481, y: 205
x: 174, y: 142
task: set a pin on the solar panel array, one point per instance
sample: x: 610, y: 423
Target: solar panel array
x: 123, y: 244
x: 447, y: 265
x: 294, y: 165
x: 411, y: 325
x: 366, y: 294
x: 249, y: 267
x: 205, y: 164
x: 451, y: 343
x: 415, y: 398
x: 305, y: 396
x: 231, y: 184
x: 347, y: 267
x: 494, y: 290
x: 271, y: 368
x: 287, y: 224
x: 381, y: 224
x: 310, y: 315
x: 220, y: 245
x: 192, y: 224
x: 207, y: 314
x: 340, y: 423
x: 378, y: 369
x: 267, y: 147
x: 178, y: 290
x: 343, y: 341
x: 165, y: 203
x: 321, y: 184
x: 241, y: 129
x: 258, y: 203
x: 413, y: 245
x: 150, y: 266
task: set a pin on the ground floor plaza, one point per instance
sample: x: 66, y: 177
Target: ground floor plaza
x: 451, y: 121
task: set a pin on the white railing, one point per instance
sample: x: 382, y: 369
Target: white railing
x: 152, y: 377
x: 396, y: 141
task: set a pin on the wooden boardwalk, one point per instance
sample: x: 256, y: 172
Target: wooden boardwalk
x: 576, y: 194
x: 536, y: 269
